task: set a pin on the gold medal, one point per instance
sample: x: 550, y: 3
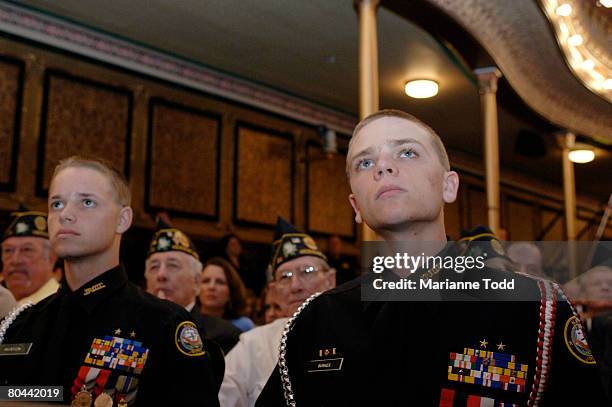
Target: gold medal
x: 122, y: 403
x: 82, y: 399
x: 103, y: 400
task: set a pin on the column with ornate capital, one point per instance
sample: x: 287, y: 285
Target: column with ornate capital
x: 487, y: 87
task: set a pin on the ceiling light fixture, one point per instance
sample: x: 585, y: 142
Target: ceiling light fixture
x: 606, y: 3
x: 421, y: 88
x: 581, y: 156
x: 588, y: 64
x: 564, y: 10
x: 575, y: 40
x: 607, y: 84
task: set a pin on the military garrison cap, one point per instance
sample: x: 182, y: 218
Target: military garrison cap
x: 289, y: 243
x: 27, y: 223
x: 171, y: 239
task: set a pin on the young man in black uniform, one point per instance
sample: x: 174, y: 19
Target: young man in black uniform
x: 101, y: 337
x: 342, y: 351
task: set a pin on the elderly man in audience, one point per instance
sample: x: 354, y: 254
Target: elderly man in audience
x: 27, y: 258
x: 173, y: 272
x: 528, y: 256
x: 297, y: 270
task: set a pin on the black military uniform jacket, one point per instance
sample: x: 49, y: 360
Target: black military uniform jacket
x: 111, y: 335
x: 223, y: 332
x: 464, y: 351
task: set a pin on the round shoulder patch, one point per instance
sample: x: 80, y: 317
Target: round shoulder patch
x: 576, y: 341
x: 187, y: 339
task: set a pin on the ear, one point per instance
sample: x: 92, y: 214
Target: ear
x: 353, y: 202
x: 331, y: 278
x: 125, y: 219
x: 197, y: 282
x: 450, y: 187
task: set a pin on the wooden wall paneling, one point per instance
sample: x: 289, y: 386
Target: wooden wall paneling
x: 183, y: 160
x: 520, y: 220
x: 138, y: 158
x: 477, y: 204
x: 327, y: 208
x: 11, y: 94
x: 553, y: 226
x: 263, y: 175
x: 82, y: 116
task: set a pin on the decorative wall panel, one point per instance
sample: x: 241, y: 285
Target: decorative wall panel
x: 85, y: 117
x: 520, y: 220
x: 327, y: 206
x: 11, y: 85
x: 263, y: 175
x: 183, y: 159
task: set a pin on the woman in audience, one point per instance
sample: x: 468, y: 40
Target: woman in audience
x: 222, y: 293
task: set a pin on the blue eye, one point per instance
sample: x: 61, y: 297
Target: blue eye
x: 57, y: 205
x: 365, y: 164
x: 408, y: 153
x: 88, y: 203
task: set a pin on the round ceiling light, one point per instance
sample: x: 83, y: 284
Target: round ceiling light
x: 575, y: 40
x: 581, y: 156
x: 606, y: 3
x: 564, y: 10
x: 588, y: 64
x: 421, y: 88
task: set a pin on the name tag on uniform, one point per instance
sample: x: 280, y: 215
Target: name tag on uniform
x: 324, y: 365
x: 12, y: 349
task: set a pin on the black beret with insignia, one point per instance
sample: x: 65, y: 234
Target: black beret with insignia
x: 27, y: 223
x: 481, y: 240
x: 168, y: 239
x: 289, y: 243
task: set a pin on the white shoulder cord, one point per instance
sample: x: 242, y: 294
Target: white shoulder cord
x: 282, y: 357
x: 11, y: 317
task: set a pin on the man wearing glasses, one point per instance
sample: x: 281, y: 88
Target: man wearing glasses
x: 297, y: 270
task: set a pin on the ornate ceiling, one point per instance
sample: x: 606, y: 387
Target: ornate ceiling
x: 519, y: 38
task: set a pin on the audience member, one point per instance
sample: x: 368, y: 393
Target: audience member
x: 233, y: 251
x: 223, y: 293
x: 529, y: 258
x: 27, y: 258
x: 272, y: 300
x: 173, y: 272
x: 298, y: 269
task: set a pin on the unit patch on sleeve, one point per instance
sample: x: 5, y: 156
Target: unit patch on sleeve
x: 187, y: 339
x: 576, y: 341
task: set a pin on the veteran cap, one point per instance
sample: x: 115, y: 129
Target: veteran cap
x: 168, y: 239
x: 26, y: 223
x: 289, y: 243
x: 481, y: 240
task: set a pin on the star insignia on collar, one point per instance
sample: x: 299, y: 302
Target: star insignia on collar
x: 118, y: 331
x: 132, y: 334
x: 501, y: 346
x: 484, y: 343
